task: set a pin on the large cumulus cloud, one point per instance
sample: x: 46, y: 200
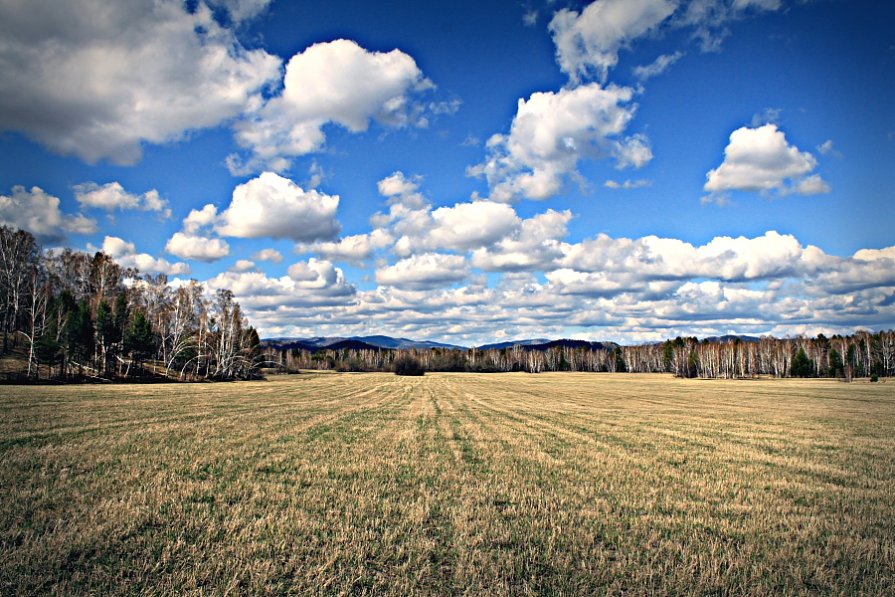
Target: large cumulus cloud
x: 98, y: 79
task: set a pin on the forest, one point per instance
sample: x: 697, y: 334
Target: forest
x: 863, y: 354
x: 71, y: 316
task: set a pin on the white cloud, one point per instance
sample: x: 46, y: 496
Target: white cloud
x: 812, y: 185
x: 658, y: 66
x: 409, y: 226
x: 401, y: 189
x: 761, y: 159
x: 499, y: 239
x: 621, y: 264
x: 244, y: 265
x: 593, y: 284
x: 471, y: 225
x: 758, y: 4
x: 534, y: 245
x: 397, y: 184
x: 200, y: 218
x: 460, y: 227
x: 634, y: 151
x: 39, y: 213
x: 711, y: 17
x: 271, y: 255
x: 200, y: 248
x: 316, y: 175
x: 827, y: 148
x: 316, y: 273
x: 313, y: 283
x: 443, y: 108
x: 335, y: 82
x: 275, y: 207
x: 588, y: 42
x: 152, y: 201
x: 875, y: 255
x: 196, y: 240
x: 354, y: 249
x: 470, y: 141
x: 628, y: 184
x: 719, y: 199
x: 117, y: 247
x: 772, y: 255
x: 125, y: 253
x: 86, y: 78
x: 242, y: 10
x: 420, y: 272
x: 866, y: 269
x: 112, y: 196
x: 79, y: 224
x: 552, y: 132
x: 530, y: 18
x: 767, y: 116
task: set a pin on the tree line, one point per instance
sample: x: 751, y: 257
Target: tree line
x: 863, y: 354
x: 69, y: 315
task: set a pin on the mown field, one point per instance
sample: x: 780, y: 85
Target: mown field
x: 564, y: 484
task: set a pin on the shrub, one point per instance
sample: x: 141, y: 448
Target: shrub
x: 408, y: 365
x: 874, y: 377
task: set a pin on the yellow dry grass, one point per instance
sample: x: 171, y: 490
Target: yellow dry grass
x: 564, y: 484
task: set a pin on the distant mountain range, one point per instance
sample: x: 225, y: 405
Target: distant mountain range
x: 354, y: 342
x: 731, y: 338
x: 545, y: 344
x: 512, y: 343
x: 388, y: 342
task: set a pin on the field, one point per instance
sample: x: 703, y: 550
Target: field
x: 564, y: 484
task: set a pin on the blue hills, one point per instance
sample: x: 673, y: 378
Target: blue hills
x: 355, y: 343
x: 390, y: 343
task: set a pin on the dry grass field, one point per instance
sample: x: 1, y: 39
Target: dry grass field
x: 507, y: 484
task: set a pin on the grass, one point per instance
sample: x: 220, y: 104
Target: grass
x: 564, y: 484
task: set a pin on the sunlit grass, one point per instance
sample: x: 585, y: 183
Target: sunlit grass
x: 449, y: 484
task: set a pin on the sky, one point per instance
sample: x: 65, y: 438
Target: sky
x: 468, y: 172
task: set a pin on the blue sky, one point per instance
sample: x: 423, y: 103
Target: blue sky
x: 467, y: 172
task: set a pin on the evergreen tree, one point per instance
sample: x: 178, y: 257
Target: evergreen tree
x: 104, y: 321
x: 252, y: 343
x: 802, y: 366
x: 620, y: 365
x: 692, y: 363
x: 47, y: 349
x: 121, y: 315
x: 79, y: 334
x: 667, y: 355
x: 108, y: 333
x: 139, y: 341
x: 837, y: 369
